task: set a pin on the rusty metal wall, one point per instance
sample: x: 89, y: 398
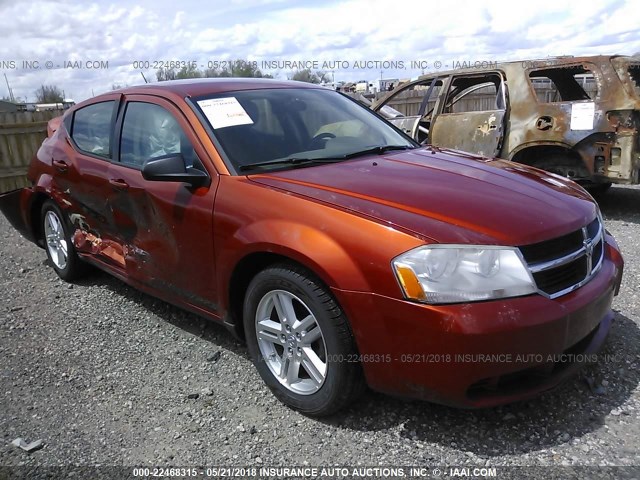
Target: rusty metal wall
x: 21, y: 134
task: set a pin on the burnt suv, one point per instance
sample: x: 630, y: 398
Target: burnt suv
x: 574, y: 116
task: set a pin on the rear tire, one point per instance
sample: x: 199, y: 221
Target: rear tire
x: 300, y: 341
x: 58, y: 244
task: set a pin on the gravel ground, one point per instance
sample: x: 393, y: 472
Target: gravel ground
x: 106, y: 375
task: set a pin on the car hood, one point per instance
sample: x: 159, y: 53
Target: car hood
x: 446, y: 196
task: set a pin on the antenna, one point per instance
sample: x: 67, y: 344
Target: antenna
x: 145, y: 78
x: 13, y: 99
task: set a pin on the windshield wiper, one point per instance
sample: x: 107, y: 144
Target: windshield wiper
x: 290, y: 161
x: 378, y: 149
x: 306, y: 161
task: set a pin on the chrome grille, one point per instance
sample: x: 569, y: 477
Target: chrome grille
x: 564, y: 264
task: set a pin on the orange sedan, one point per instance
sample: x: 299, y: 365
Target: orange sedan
x: 342, y: 251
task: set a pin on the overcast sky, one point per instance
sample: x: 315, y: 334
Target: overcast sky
x: 268, y: 30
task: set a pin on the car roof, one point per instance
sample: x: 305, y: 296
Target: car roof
x: 196, y: 87
x: 538, y: 64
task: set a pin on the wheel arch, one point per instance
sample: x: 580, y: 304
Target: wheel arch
x: 323, y: 258
x: 545, y: 156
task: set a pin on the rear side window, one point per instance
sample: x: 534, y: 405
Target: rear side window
x: 566, y: 84
x: 92, y: 128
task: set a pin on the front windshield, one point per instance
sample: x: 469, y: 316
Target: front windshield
x: 270, y: 125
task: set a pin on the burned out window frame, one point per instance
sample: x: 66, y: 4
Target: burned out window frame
x: 635, y: 84
x: 405, y: 87
x: 586, y: 66
x: 444, y: 96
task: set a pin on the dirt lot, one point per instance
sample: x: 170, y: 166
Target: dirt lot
x: 105, y: 375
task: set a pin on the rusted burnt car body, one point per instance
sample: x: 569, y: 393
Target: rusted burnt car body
x: 574, y: 116
x: 339, y: 248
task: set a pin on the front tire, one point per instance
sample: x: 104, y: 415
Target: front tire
x: 300, y: 341
x: 58, y: 244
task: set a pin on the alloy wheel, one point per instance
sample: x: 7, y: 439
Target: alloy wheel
x: 56, y: 240
x: 291, y: 342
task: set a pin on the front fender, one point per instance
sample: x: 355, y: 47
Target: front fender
x: 306, y: 245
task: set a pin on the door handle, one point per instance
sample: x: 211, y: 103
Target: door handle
x: 60, y: 165
x: 118, y: 183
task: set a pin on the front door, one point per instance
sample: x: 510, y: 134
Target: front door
x: 166, y: 228
x: 472, y: 116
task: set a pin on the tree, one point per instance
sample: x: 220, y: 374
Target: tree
x: 164, y: 74
x: 236, y: 68
x: 308, y: 76
x: 49, y: 94
x: 190, y: 71
x: 242, y: 68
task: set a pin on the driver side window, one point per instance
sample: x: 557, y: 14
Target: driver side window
x: 149, y: 131
x: 476, y: 93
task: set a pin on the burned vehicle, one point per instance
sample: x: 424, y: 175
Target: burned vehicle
x: 574, y: 116
x: 341, y: 250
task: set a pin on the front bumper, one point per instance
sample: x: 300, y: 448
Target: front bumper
x: 486, y: 353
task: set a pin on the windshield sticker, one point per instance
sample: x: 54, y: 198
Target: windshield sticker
x: 582, y: 116
x: 225, y: 112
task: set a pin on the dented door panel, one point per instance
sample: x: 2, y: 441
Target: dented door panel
x: 83, y: 188
x: 160, y: 225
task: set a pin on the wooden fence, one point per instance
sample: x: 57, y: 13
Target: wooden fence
x: 21, y: 134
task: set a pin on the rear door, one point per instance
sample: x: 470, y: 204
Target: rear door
x: 165, y: 228
x: 472, y: 116
x: 82, y: 163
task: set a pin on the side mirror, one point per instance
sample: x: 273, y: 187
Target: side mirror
x: 170, y: 168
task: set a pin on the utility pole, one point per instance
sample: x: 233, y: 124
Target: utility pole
x: 13, y: 99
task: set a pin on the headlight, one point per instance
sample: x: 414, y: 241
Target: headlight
x: 461, y: 273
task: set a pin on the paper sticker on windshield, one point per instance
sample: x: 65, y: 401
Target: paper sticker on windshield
x: 225, y: 112
x: 582, y: 116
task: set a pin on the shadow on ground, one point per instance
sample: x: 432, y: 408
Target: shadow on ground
x: 189, y: 322
x: 621, y: 203
x: 571, y: 411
